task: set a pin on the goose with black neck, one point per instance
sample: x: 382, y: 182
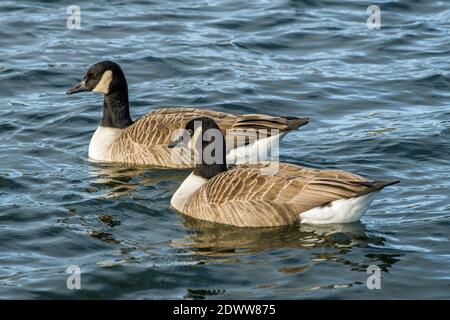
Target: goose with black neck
x: 250, y: 195
x: 144, y: 141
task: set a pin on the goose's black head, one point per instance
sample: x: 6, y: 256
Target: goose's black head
x: 205, y: 137
x: 106, y: 77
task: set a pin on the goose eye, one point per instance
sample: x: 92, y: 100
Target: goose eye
x: 92, y: 76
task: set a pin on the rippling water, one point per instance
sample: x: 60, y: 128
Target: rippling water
x: 379, y: 102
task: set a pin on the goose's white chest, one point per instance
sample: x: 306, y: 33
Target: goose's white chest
x: 101, y: 142
x: 185, y: 191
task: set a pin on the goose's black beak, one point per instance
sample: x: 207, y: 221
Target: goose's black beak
x: 78, y: 88
x: 175, y: 142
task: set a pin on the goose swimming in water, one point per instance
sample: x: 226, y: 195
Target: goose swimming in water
x: 144, y: 141
x: 267, y: 194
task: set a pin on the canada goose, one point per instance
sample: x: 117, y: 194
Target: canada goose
x: 252, y: 196
x: 144, y: 141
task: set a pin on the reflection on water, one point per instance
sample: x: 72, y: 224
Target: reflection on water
x: 297, y: 58
x: 212, y: 239
x: 121, y: 180
x: 219, y: 241
x: 118, y: 180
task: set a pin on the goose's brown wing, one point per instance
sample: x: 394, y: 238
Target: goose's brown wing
x: 153, y: 128
x: 145, y: 142
x: 245, y: 196
x: 249, y: 128
x: 264, y: 121
x: 157, y: 127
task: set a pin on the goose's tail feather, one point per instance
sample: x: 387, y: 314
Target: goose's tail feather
x: 262, y: 121
x: 373, y: 186
x: 295, y: 123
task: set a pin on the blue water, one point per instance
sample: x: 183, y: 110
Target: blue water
x: 379, y: 103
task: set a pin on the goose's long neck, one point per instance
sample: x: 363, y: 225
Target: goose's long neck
x: 198, y: 177
x: 201, y: 174
x: 116, y: 110
x: 185, y: 191
x: 207, y: 171
x: 116, y: 117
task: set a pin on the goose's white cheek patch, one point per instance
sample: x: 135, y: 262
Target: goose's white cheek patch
x: 103, y: 84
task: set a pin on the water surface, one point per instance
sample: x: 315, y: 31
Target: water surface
x: 379, y: 102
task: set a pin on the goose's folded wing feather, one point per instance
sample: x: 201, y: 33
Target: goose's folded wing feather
x: 156, y: 127
x: 244, y: 196
x: 147, y: 139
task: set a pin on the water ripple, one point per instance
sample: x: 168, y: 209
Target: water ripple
x: 378, y: 100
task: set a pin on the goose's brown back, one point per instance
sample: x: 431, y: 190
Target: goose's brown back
x: 245, y: 197
x: 145, y: 142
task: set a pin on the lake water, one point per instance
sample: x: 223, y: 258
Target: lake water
x: 379, y: 102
